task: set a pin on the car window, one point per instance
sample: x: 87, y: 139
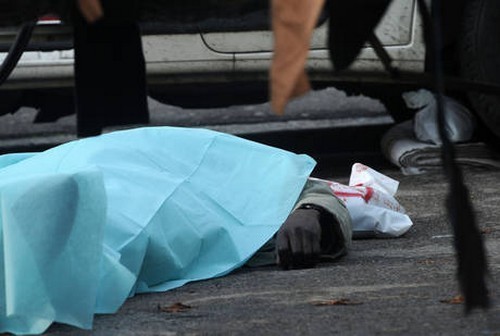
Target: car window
x: 193, y: 16
x: 207, y: 16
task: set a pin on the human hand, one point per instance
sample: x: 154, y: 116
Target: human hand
x: 91, y: 10
x: 298, y: 241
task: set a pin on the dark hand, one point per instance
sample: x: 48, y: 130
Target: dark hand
x: 298, y: 240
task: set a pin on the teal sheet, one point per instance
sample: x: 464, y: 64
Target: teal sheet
x: 92, y: 222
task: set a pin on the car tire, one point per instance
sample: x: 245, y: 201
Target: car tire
x: 480, y: 58
x: 10, y: 101
x: 389, y: 95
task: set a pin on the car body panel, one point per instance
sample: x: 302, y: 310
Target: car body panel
x: 394, y: 30
x: 222, y: 56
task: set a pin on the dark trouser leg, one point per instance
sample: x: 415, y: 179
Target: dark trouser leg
x: 451, y: 18
x: 110, y: 76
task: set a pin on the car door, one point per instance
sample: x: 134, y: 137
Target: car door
x: 250, y: 38
x: 249, y: 31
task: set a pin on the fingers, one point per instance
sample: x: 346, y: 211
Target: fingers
x: 298, y: 240
x: 283, y: 250
x: 285, y: 259
x: 310, y: 244
x: 300, y: 250
x: 308, y: 254
x: 91, y: 10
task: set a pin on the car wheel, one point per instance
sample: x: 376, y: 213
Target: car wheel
x: 10, y: 101
x: 389, y: 95
x: 480, y: 57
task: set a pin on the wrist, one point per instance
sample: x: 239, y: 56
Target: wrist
x: 311, y: 206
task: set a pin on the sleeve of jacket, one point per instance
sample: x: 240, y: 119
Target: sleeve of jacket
x: 318, y: 193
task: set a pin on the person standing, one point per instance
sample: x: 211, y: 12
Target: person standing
x: 110, y: 71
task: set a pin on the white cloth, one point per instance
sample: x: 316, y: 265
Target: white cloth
x: 402, y: 148
x: 459, y: 121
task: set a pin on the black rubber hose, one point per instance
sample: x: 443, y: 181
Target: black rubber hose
x: 16, y: 50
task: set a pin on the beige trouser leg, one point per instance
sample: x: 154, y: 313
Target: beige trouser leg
x: 91, y: 9
x: 293, y: 24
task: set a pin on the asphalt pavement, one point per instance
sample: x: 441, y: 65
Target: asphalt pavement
x: 400, y: 286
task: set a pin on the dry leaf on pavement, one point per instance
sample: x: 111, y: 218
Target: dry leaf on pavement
x: 487, y: 231
x: 336, y: 302
x: 459, y: 299
x: 177, y: 307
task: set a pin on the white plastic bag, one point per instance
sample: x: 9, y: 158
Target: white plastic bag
x: 371, y: 204
x: 459, y: 121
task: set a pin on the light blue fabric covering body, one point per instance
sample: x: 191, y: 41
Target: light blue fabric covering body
x: 89, y: 223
